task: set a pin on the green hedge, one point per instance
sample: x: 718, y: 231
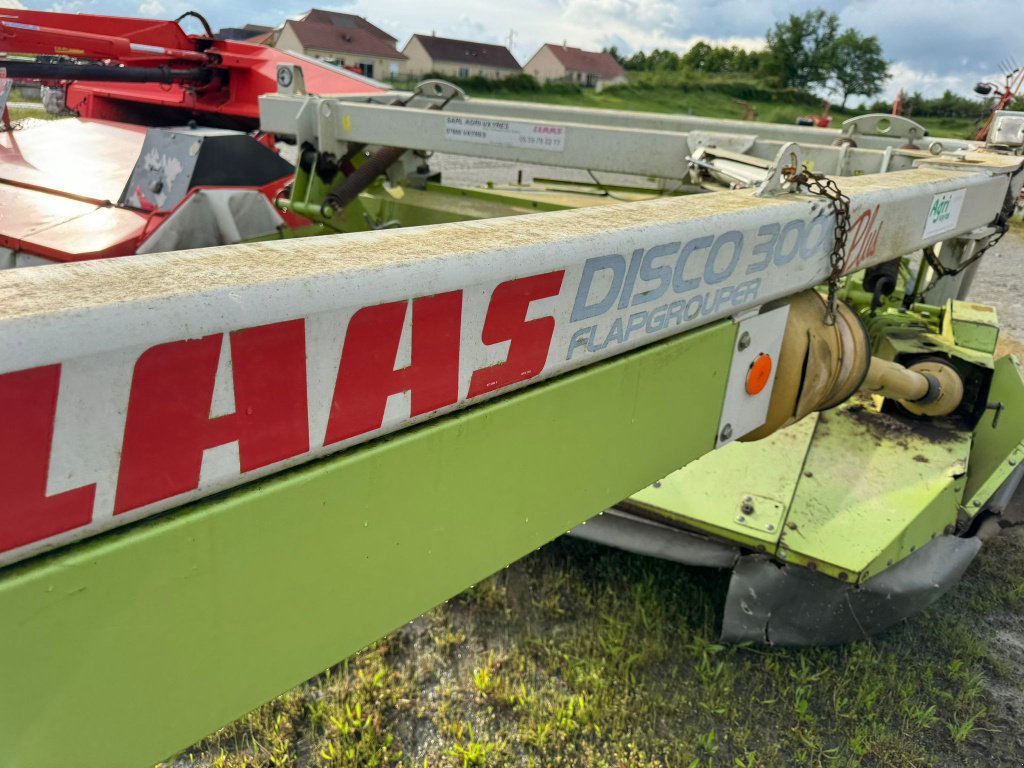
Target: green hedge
x: 737, y: 86
x: 477, y: 85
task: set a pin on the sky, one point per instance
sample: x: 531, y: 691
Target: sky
x: 933, y: 45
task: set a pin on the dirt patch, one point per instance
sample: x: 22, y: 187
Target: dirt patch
x: 895, y: 428
x: 1007, y: 346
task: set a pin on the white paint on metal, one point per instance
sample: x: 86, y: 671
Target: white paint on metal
x: 1007, y: 129
x: 776, y: 132
x: 330, y: 124
x: 630, y: 275
x: 742, y: 411
x: 5, y: 89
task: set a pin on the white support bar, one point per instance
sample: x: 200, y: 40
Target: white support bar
x: 117, y: 376
x: 330, y: 124
x: 777, y: 132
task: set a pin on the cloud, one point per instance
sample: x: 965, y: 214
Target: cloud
x: 934, y: 43
x: 630, y: 25
x: 912, y: 80
x: 938, y: 45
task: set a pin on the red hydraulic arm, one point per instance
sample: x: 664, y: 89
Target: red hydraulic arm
x: 125, y: 40
x: 138, y: 58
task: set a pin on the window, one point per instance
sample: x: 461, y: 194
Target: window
x: 366, y: 68
x: 463, y: 71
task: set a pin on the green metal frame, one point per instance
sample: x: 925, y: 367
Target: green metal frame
x: 853, y: 491
x: 997, y: 449
x: 126, y: 648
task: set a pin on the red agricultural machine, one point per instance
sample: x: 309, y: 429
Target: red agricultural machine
x: 113, y: 181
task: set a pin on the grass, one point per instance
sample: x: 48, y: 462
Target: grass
x: 23, y: 113
x: 580, y: 655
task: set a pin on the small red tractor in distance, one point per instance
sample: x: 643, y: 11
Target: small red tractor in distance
x: 824, y: 120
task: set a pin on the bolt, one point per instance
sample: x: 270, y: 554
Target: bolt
x: 782, y: 554
x: 1013, y: 463
x: 726, y: 433
x: 747, y: 508
x: 744, y: 341
x: 741, y: 519
x: 769, y: 527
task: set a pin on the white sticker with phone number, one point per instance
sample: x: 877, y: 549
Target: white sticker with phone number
x: 508, y: 133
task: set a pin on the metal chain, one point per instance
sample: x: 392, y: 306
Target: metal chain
x: 819, y: 184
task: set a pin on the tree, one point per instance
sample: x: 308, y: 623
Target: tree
x: 718, y: 59
x: 799, y: 51
x: 857, y: 65
x: 614, y: 53
x: 638, y: 61
x: 697, y: 57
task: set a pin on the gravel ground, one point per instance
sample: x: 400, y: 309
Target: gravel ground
x: 998, y: 283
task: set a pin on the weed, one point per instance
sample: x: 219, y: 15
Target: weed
x: 485, y: 678
x: 473, y: 753
x: 960, y: 729
x: 709, y: 743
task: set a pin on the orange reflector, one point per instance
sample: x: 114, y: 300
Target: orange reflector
x: 759, y: 373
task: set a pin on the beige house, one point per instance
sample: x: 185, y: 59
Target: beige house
x: 342, y: 39
x: 584, y: 68
x: 458, y: 58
